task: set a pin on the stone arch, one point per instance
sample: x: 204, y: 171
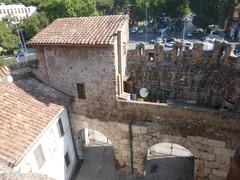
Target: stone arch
x: 175, y: 141
x: 182, y: 141
x: 104, y: 128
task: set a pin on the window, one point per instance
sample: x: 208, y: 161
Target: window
x: 39, y: 156
x: 141, y: 51
x: 151, y: 57
x: 81, y: 91
x: 67, y: 159
x: 60, y: 128
x: 0, y: 11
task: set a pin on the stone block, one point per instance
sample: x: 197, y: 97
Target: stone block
x: 215, y: 143
x: 219, y: 173
x: 207, y: 156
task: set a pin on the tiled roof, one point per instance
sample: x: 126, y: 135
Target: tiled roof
x: 97, y: 30
x: 26, y: 108
x: 9, y: 174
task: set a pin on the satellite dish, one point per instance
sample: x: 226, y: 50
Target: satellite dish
x: 143, y: 92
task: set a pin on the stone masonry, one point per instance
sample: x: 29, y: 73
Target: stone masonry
x: 211, y: 135
x: 211, y: 78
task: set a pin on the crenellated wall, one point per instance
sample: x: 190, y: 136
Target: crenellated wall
x: 195, y: 75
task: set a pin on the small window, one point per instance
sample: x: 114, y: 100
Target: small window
x: 67, y: 159
x: 141, y: 51
x: 60, y: 128
x: 39, y: 156
x: 81, y: 91
x: 151, y: 57
x: 222, y: 53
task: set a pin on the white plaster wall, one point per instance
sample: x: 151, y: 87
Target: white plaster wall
x: 54, y: 148
x: 17, y: 10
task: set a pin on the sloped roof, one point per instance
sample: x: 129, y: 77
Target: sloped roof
x: 97, y: 30
x: 27, y: 107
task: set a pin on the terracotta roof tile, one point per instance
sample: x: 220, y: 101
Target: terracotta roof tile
x: 97, y: 30
x: 27, y: 107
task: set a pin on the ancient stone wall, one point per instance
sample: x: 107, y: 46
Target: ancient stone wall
x: 212, y: 157
x: 63, y: 67
x: 190, y: 75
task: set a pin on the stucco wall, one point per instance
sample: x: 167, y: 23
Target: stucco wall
x: 54, y: 148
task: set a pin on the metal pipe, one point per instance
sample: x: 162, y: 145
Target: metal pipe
x: 146, y: 21
x: 130, y: 144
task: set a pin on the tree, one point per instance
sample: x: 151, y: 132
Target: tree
x: 32, y: 25
x: 159, y: 8
x: 68, y: 8
x: 8, y: 40
x: 104, y: 6
x: 212, y: 12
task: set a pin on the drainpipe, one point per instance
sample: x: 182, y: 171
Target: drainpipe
x: 130, y: 144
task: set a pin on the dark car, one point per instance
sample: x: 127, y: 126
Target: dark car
x: 237, y: 50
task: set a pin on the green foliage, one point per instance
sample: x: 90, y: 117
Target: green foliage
x: 32, y: 25
x: 105, y: 6
x: 8, y: 40
x: 6, y: 63
x: 159, y: 8
x: 68, y: 8
x: 140, y: 99
x: 212, y: 12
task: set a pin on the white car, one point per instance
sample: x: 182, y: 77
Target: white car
x: 23, y: 56
x: 134, y: 29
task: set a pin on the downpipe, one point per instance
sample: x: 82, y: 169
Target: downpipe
x: 130, y: 144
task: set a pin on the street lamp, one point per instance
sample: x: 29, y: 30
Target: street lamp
x: 185, y: 19
x: 146, y: 5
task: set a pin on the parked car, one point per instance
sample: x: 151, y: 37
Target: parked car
x: 21, y: 56
x: 189, y: 34
x: 170, y: 42
x: 134, y: 29
x: 237, y: 50
x: 140, y: 31
x: 157, y: 40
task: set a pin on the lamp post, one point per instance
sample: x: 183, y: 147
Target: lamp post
x: 146, y: 4
x: 185, y: 19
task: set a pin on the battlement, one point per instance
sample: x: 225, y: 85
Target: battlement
x: 211, y: 77
x: 222, y: 53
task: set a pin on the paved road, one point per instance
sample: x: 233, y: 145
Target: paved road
x: 99, y: 164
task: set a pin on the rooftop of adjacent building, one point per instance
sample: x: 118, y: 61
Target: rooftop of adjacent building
x: 97, y: 30
x: 27, y: 108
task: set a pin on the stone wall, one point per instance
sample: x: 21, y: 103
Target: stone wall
x: 211, y: 78
x: 62, y: 67
x: 212, y: 157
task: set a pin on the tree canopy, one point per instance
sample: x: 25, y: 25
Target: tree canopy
x: 32, y: 25
x: 68, y: 8
x: 8, y: 40
x: 212, y: 12
x: 105, y: 6
x: 159, y: 8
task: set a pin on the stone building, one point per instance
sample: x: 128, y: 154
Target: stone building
x: 86, y: 59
